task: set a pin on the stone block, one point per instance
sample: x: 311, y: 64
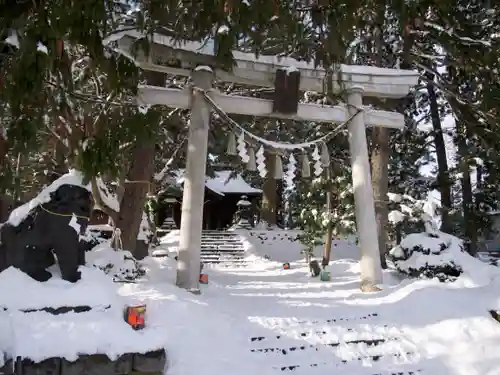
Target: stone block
x: 123, y: 364
x: 96, y: 364
x: 49, y: 366
x: 7, y: 368
x: 150, y: 362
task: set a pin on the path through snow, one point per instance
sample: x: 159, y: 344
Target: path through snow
x: 265, y: 320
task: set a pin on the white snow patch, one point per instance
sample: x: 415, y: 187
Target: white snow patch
x: 242, y: 202
x: 224, y: 29
x: 73, y: 223
x: 205, y: 68
x: 396, y: 198
x: 145, y: 232
x: 73, y: 177
x: 222, y: 184
x: 109, y: 198
x: 40, y: 47
x: 396, y: 217
x: 291, y: 69
x: 143, y: 108
x: 94, y: 289
x: 13, y: 39
x: 453, y: 254
x: 119, y: 264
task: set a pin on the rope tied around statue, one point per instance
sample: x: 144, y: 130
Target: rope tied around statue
x: 71, y: 214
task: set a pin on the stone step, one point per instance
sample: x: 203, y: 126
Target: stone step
x: 314, y: 365
x: 358, y: 345
x: 211, y: 240
x: 223, y: 249
x: 285, y: 351
x: 218, y: 247
x: 360, y: 358
x: 332, y: 321
x: 228, y: 261
x: 228, y: 254
x: 221, y: 239
x: 222, y: 244
x: 225, y: 259
x: 222, y: 253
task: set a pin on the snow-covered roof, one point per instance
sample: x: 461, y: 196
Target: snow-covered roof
x: 222, y: 184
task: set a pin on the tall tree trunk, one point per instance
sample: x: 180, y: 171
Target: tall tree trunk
x: 470, y: 229
x: 4, y: 205
x: 134, y: 197
x: 269, y: 194
x: 327, y: 249
x: 443, y: 174
x: 140, y: 175
x: 380, y: 180
x: 479, y: 186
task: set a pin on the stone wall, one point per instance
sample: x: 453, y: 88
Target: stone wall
x: 153, y: 362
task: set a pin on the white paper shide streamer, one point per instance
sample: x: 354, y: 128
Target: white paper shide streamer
x: 242, y: 148
x: 291, y: 168
x: 318, y: 166
x: 261, y: 162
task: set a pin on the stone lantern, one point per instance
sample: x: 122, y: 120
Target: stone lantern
x: 243, y: 214
x: 169, y: 222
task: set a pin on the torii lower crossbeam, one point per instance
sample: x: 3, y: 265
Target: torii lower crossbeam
x: 243, y: 105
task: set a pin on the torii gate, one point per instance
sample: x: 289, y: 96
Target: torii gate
x: 194, y: 59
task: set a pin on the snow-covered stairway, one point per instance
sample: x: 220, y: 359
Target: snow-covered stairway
x: 223, y: 248
x: 356, y: 345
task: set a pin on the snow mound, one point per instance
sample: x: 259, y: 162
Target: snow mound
x: 119, y: 264
x: 40, y: 335
x: 436, y: 255
x: 29, y: 330
x: 21, y: 292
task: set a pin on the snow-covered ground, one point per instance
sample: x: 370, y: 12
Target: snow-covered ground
x: 263, y: 319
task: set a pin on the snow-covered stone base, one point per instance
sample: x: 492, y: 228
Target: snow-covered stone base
x: 431, y: 255
x: 58, y: 327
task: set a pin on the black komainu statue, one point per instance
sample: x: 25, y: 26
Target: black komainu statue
x: 52, y: 228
